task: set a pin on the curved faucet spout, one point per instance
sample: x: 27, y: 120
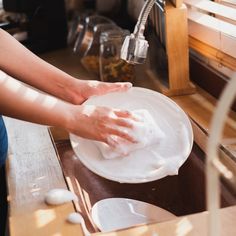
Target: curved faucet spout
x: 135, y: 47
x: 143, y: 16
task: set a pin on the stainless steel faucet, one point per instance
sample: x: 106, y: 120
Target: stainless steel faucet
x: 135, y: 47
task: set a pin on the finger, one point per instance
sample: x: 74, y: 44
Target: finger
x: 123, y: 122
x: 125, y: 114
x: 111, y: 141
x: 122, y: 134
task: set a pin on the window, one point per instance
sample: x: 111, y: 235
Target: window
x: 212, y: 41
x: 213, y: 24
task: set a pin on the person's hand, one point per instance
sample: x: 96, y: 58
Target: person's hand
x: 100, y: 123
x: 81, y: 90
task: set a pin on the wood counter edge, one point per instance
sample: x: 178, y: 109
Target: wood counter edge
x: 32, y: 170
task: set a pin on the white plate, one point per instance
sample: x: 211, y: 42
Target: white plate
x: 119, y: 213
x: 147, y: 164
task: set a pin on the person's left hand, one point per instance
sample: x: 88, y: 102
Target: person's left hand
x: 81, y: 90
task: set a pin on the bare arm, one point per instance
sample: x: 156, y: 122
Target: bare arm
x: 22, y: 64
x: 22, y: 102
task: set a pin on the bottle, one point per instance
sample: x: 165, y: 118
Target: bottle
x: 112, y: 67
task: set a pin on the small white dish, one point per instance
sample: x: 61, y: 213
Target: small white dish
x: 144, y: 165
x: 119, y: 213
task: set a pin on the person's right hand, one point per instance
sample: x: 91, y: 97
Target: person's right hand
x: 100, y: 123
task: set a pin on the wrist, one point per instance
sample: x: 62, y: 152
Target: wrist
x: 73, y: 91
x: 72, y: 117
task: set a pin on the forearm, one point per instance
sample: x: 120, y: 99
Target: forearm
x: 97, y: 123
x: 20, y: 101
x: 19, y: 62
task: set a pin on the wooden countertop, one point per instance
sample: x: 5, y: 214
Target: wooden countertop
x: 33, y: 169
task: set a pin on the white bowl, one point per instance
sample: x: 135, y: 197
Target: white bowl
x: 118, y: 213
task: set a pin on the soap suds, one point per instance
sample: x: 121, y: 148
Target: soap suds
x: 59, y: 197
x: 75, y: 218
x: 144, y: 131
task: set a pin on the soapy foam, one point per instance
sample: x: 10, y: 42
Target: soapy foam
x: 145, y: 132
x: 59, y: 197
x: 75, y: 218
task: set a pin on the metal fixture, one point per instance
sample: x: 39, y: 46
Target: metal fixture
x: 135, y: 47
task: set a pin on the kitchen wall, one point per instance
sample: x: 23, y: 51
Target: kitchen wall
x: 134, y: 8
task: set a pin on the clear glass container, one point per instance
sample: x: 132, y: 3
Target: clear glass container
x: 90, y: 59
x: 112, y: 67
x: 85, y: 31
x: 76, y: 26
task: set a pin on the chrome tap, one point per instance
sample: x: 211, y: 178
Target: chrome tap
x: 135, y: 47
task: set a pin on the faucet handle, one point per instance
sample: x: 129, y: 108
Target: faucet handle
x: 134, y: 49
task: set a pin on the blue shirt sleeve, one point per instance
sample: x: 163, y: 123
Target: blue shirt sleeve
x: 3, y: 142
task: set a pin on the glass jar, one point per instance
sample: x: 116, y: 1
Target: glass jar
x: 90, y: 59
x: 112, y: 67
x: 76, y: 26
x: 86, y: 32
